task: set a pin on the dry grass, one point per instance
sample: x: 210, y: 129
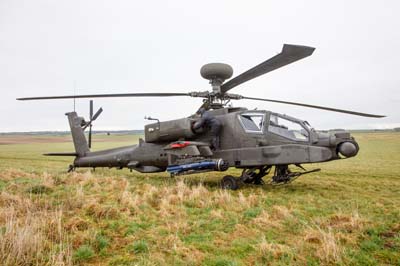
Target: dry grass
x: 327, y: 246
x: 38, y: 232
x: 12, y: 173
x: 266, y: 249
x: 346, y: 222
x: 35, y: 238
x: 35, y: 233
x: 264, y: 220
x: 346, y: 215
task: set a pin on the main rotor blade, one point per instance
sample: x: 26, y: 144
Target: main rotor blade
x: 316, y: 107
x: 290, y: 53
x: 151, y: 94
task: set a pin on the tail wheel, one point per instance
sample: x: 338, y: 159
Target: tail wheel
x: 229, y: 182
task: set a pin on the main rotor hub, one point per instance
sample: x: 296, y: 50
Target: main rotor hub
x: 216, y: 73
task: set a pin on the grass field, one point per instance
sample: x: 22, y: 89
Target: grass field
x: 348, y: 214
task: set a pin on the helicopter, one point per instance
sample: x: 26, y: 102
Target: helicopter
x: 255, y: 141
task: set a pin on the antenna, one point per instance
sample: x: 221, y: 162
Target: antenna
x: 74, y: 93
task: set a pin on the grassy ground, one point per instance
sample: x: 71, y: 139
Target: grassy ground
x: 348, y: 214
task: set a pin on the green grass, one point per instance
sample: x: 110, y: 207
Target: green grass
x: 83, y: 253
x: 347, y: 214
x: 102, y: 242
x: 138, y: 247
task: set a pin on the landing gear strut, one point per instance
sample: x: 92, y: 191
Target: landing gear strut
x: 283, y: 175
x: 255, y: 175
x: 71, y: 168
x: 249, y: 176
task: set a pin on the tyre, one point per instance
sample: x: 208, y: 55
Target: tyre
x: 229, y: 182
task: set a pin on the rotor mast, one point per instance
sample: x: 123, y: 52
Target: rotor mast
x: 216, y: 73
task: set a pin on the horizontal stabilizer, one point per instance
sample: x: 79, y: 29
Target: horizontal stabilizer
x: 61, y: 154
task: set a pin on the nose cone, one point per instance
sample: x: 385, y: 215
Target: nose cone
x: 348, y: 149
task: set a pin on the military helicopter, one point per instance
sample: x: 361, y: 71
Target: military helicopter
x: 252, y: 140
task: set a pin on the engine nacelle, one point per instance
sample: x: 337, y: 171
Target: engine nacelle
x: 169, y: 130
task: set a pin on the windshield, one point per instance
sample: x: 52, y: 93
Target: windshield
x: 252, y: 122
x: 287, y: 128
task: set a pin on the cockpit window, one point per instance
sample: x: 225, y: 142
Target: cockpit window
x: 252, y: 122
x: 287, y: 128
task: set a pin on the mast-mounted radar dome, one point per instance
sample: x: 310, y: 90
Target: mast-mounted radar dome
x: 215, y: 71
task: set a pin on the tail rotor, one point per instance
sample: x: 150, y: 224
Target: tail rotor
x: 90, y: 122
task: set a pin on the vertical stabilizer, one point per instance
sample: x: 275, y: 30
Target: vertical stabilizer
x: 80, y: 142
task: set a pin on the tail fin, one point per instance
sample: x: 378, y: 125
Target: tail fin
x: 80, y: 142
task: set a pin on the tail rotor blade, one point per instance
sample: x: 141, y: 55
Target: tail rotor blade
x: 90, y: 123
x: 96, y: 115
x: 90, y: 136
x: 91, y: 110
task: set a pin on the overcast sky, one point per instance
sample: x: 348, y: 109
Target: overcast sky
x: 159, y: 46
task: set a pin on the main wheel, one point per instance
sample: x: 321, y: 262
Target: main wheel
x: 229, y: 182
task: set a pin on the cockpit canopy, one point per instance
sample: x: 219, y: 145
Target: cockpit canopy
x: 252, y: 122
x: 281, y: 125
x: 287, y: 128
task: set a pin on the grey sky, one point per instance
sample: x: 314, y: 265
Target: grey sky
x: 159, y: 46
